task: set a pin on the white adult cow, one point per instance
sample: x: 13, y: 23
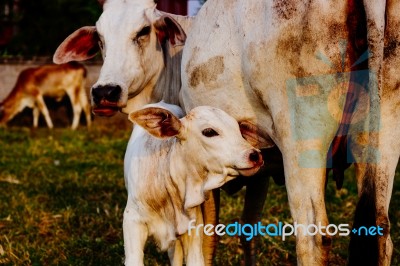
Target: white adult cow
x: 288, y: 63
x: 248, y: 58
x: 165, y: 189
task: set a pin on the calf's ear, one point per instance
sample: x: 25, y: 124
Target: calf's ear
x: 158, y: 122
x: 168, y: 28
x: 81, y: 45
x: 251, y: 133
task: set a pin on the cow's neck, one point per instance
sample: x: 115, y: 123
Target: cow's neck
x: 168, y: 85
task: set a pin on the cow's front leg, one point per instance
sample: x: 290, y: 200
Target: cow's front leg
x: 306, y: 188
x: 256, y: 193
x: 35, y: 116
x: 43, y: 109
x: 135, y: 236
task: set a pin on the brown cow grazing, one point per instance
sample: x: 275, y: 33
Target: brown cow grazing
x: 52, y: 81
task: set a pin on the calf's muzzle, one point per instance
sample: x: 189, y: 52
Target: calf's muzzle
x: 255, y: 157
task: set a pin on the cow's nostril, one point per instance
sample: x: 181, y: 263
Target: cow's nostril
x: 114, y: 93
x: 254, y: 156
x: 109, y: 93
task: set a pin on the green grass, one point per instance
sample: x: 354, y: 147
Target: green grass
x: 62, y: 197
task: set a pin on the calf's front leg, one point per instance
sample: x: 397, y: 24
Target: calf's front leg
x: 135, y: 236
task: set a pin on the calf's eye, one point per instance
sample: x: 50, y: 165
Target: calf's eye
x: 209, y: 132
x: 143, y: 32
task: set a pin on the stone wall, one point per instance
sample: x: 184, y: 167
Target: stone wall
x: 60, y: 112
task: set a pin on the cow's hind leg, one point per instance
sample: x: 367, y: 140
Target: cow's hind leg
x: 389, y: 150
x: 372, y: 211
x: 363, y: 250
x: 305, y: 187
x: 375, y: 184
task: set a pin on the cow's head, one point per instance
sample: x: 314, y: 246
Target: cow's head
x: 12, y: 105
x: 210, y: 151
x: 131, y: 35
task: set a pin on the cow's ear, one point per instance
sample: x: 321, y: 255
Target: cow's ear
x: 168, y: 28
x: 251, y: 133
x: 81, y: 45
x: 157, y: 121
x: 101, y: 2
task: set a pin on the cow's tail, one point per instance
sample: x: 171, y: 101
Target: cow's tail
x: 363, y: 249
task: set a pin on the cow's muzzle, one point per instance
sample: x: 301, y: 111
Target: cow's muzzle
x: 105, y: 99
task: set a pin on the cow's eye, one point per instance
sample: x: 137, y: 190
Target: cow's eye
x: 209, y: 132
x: 143, y: 32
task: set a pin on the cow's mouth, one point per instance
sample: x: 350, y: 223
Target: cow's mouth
x: 105, y: 100
x: 105, y: 110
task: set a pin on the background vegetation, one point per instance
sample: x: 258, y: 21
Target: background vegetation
x: 41, y: 25
x: 62, y: 199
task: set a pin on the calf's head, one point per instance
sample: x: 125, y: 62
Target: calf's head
x: 209, y: 151
x: 130, y: 35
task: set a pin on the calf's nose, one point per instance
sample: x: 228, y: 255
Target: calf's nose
x: 255, y: 156
x: 109, y: 94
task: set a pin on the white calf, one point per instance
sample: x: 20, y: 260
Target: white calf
x: 169, y: 164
